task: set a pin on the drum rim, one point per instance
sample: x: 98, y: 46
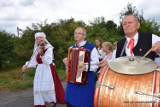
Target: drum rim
x: 116, y: 68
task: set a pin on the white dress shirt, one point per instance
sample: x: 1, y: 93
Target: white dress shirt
x: 155, y: 39
x: 157, y: 60
x: 101, y: 53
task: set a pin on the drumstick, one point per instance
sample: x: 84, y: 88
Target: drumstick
x: 147, y: 53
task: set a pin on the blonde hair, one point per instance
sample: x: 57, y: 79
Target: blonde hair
x: 84, y: 30
x: 109, y: 44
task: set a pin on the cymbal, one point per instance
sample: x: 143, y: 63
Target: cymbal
x: 132, y: 65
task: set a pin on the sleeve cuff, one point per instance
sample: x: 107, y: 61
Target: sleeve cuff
x: 86, y: 68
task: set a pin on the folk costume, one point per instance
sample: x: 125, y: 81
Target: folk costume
x: 82, y: 95
x: 47, y: 86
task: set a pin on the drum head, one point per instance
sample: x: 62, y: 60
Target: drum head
x: 132, y: 65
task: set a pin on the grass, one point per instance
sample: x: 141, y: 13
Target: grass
x: 11, y: 80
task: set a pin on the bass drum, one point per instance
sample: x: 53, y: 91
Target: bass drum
x: 120, y: 90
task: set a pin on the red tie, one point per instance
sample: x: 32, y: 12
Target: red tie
x: 131, y: 46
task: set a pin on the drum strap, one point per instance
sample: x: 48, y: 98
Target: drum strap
x: 155, y: 79
x: 154, y: 84
x: 123, y: 49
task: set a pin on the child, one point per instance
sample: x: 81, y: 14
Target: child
x: 82, y: 95
x: 108, y: 49
x: 47, y: 86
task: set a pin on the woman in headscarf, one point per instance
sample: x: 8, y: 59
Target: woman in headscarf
x: 47, y: 86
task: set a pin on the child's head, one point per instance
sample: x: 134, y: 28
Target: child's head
x: 98, y: 42
x: 79, y: 34
x: 107, y: 47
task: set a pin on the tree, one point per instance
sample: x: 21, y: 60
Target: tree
x: 147, y: 25
x: 130, y: 9
x: 6, y: 48
x: 106, y: 30
x: 60, y: 35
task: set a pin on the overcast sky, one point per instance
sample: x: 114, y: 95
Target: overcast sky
x: 23, y: 13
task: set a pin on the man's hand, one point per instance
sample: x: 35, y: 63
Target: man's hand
x: 65, y: 61
x: 156, y: 47
x: 82, y: 67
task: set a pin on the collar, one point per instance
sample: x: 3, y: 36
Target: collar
x: 47, y: 46
x: 135, y: 37
x: 99, y: 48
x: 109, y: 54
x: 82, y: 43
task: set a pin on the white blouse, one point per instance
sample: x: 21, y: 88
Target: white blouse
x: 47, y: 58
x: 101, y: 53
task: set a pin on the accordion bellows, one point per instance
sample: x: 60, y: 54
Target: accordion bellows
x: 76, y: 58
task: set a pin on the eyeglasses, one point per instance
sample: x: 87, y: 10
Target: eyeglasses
x: 78, y: 33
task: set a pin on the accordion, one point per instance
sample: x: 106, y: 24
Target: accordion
x: 76, y: 58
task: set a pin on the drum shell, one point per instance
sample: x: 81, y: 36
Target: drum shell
x: 124, y: 94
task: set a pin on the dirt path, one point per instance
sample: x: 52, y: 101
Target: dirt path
x: 22, y: 98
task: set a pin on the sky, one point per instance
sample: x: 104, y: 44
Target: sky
x: 22, y: 13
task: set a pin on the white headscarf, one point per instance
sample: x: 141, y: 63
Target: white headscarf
x: 32, y: 62
x: 41, y: 34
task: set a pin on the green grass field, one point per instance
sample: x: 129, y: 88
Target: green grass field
x: 11, y: 80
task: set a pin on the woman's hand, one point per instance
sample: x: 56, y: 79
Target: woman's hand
x: 40, y: 51
x: 24, y: 68
x: 41, y: 47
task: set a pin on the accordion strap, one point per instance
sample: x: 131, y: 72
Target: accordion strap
x: 89, y: 61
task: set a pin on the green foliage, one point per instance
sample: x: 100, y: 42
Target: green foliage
x: 106, y: 30
x: 6, y: 49
x: 130, y: 9
x: 147, y: 25
x: 61, y: 74
x: 14, y: 50
x: 150, y: 25
x: 11, y: 80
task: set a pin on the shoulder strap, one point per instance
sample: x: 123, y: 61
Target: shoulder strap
x: 123, y: 49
